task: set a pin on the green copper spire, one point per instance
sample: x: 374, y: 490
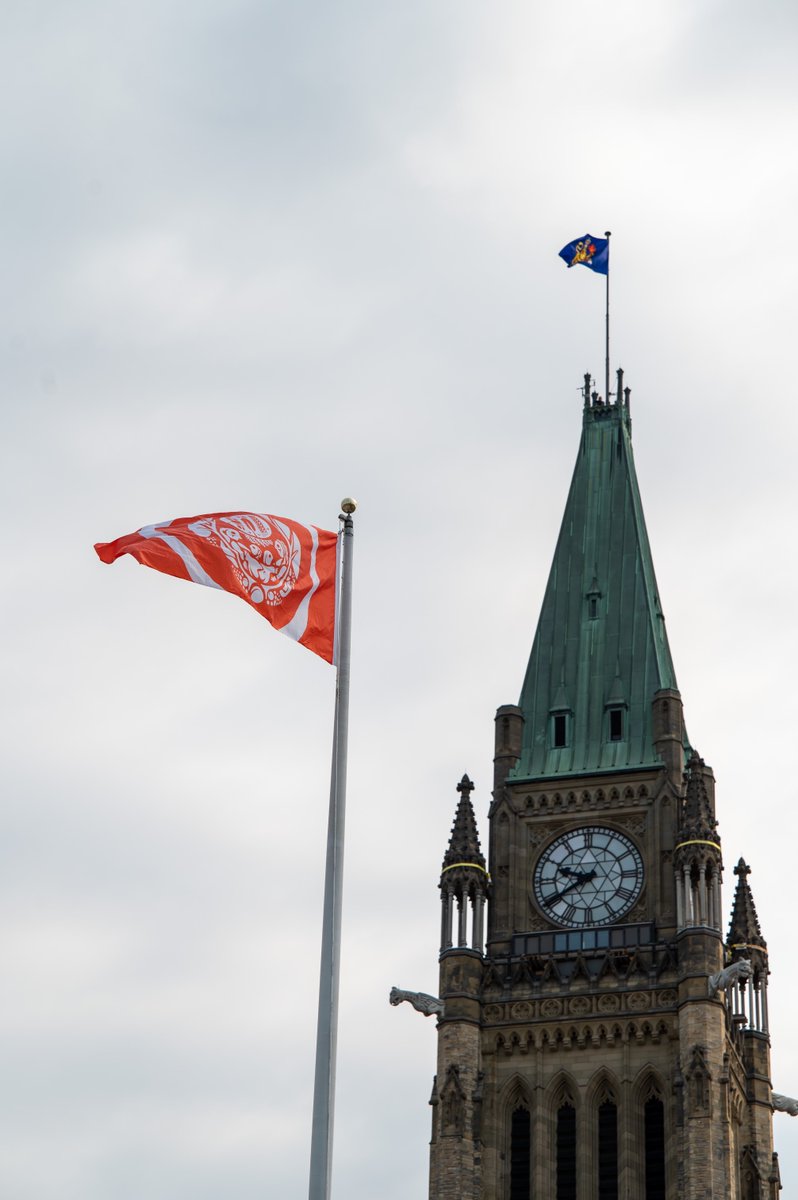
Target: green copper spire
x: 600, y: 651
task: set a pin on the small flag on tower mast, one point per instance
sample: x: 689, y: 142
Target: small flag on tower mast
x: 594, y: 253
x: 588, y: 251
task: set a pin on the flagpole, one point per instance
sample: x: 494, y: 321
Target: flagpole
x: 607, y: 328
x: 329, y: 970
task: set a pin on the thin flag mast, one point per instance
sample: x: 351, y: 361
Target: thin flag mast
x: 329, y: 971
x: 607, y: 235
x: 594, y: 253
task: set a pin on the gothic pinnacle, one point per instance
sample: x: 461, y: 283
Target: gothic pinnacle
x: 744, y: 927
x: 698, y: 819
x: 464, y: 840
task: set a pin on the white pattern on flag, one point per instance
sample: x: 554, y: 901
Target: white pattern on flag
x: 196, y: 572
x: 285, y: 570
x: 297, y: 625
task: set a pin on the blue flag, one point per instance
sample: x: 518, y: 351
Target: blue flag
x: 590, y: 251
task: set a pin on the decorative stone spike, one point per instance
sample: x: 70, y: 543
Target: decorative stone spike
x: 698, y: 821
x: 744, y: 928
x: 464, y: 841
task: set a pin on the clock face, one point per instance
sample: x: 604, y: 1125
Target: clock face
x: 588, y: 876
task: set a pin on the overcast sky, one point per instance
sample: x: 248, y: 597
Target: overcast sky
x: 261, y: 256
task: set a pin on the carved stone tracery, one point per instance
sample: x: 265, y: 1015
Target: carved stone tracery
x: 587, y: 799
x: 571, y: 1036
x: 452, y: 1104
x: 698, y: 1078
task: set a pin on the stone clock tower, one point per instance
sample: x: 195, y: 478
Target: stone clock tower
x: 599, y: 1038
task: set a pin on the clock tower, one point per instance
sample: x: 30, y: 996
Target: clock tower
x: 600, y: 1038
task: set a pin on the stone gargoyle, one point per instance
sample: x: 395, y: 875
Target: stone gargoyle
x: 422, y: 1002
x: 734, y: 973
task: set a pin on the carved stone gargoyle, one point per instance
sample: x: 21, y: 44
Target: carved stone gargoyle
x: 735, y: 972
x: 422, y: 1002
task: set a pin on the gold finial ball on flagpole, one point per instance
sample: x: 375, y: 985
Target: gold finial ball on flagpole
x: 348, y: 505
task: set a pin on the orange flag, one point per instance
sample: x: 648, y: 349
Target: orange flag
x: 285, y: 570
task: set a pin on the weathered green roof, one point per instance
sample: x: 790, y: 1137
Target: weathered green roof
x: 601, y: 640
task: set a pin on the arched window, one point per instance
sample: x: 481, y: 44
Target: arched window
x: 520, y: 1154
x: 566, y: 1151
x: 608, y: 1150
x: 654, y: 1148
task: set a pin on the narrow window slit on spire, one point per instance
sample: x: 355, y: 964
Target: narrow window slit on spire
x: 593, y: 595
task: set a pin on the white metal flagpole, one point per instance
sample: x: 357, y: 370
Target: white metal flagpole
x: 329, y: 971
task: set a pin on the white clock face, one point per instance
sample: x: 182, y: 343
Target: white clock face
x: 588, y: 876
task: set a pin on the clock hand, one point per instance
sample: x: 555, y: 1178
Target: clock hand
x: 579, y: 877
x: 563, y: 892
